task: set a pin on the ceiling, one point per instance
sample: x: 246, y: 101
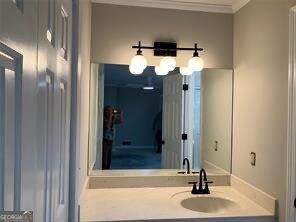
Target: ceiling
x: 219, y: 6
x: 119, y: 76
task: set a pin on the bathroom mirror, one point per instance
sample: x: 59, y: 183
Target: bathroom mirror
x: 149, y: 121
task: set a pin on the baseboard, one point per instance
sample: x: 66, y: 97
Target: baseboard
x: 258, y: 196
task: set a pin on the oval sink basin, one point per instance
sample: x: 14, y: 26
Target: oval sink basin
x: 209, y: 204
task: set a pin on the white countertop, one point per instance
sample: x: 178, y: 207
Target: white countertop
x: 144, y: 204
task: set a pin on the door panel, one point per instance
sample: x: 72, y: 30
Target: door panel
x: 54, y: 42
x: 62, y: 148
x: 9, y: 145
x: 172, y: 154
x: 193, y: 120
x: 62, y: 109
x: 10, y: 128
x: 62, y: 155
x: 2, y: 135
x: 49, y: 146
x: 34, y: 109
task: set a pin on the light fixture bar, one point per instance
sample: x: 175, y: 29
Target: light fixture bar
x: 166, y: 48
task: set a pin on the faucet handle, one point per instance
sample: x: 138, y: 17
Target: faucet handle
x: 206, y: 189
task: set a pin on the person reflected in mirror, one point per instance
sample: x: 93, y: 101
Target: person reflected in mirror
x: 112, y: 116
x: 157, y: 128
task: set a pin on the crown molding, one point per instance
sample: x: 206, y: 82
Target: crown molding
x: 201, y: 5
x: 238, y: 5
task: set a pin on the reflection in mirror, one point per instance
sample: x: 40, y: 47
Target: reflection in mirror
x: 149, y: 121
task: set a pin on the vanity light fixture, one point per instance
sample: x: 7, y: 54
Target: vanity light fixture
x: 168, y: 63
x: 161, y: 71
x: 168, y: 51
x: 138, y: 62
x: 185, y: 71
x: 195, y: 63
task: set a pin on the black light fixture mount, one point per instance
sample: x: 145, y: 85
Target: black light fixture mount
x: 139, y: 51
x: 166, y: 49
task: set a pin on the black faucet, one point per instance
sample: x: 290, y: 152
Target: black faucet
x: 188, y: 165
x: 203, y: 187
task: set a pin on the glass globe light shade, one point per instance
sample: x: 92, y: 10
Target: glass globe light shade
x: 185, y: 71
x: 195, y: 64
x: 139, y: 61
x: 168, y: 62
x: 136, y: 70
x: 161, y: 71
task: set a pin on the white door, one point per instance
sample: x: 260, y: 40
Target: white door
x: 35, y: 54
x: 291, y: 183
x: 172, y: 126
x: 54, y: 64
x: 10, y: 129
x: 192, y: 118
x: 18, y: 141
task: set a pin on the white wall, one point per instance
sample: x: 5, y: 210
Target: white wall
x: 261, y: 37
x: 96, y: 116
x: 83, y: 87
x: 93, y: 115
x: 116, y: 28
x: 216, y: 92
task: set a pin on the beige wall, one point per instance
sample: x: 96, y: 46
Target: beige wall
x: 83, y: 86
x: 260, y: 95
x: 116, y: 28
x: 216, y: 92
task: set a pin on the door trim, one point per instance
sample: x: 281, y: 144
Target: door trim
x: 14, y: 62
x: 291, y: 143
x: 74, y: 147
x: 2, y: 135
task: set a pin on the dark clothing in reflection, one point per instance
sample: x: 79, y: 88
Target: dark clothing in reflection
x: 157, y: 127
x: 107, y: 154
